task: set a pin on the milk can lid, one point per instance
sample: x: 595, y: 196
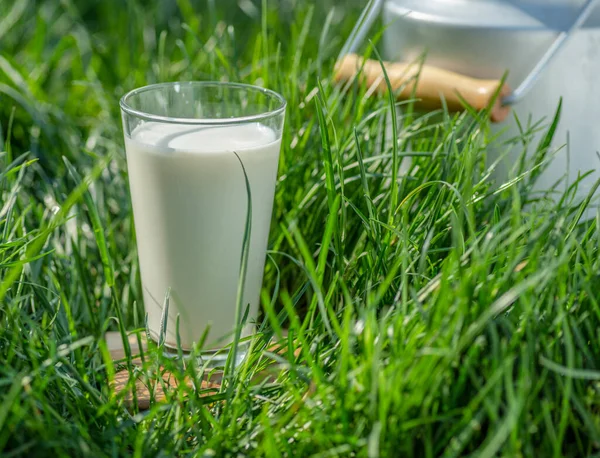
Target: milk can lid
x: 510, y: 14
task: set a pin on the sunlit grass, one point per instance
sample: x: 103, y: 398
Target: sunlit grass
x: 436, y: 314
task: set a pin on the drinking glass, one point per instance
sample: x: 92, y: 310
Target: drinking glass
x: 202, y: 160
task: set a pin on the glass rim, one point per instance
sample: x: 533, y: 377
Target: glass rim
x: 126, y: 108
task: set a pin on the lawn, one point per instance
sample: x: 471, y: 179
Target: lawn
x: 419, y: 306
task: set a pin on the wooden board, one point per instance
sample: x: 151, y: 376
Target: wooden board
x: 143, y: 394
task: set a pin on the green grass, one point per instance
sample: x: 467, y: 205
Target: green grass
x: 439, y: 314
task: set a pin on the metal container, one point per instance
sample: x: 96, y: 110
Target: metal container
x: 486, y: 38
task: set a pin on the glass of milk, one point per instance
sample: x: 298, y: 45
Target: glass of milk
x: 185, y: 144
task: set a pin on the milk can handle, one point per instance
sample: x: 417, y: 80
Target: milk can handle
x: 523, y: 88
x: 427, y: 84
x: 362, y: 26
x: 451, y: 83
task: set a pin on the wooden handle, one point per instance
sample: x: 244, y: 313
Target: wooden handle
x: 433, y: 84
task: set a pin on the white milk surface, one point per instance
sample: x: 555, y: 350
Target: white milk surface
x: 189, y: 201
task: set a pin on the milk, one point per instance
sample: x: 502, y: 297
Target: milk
x: 190, y: 202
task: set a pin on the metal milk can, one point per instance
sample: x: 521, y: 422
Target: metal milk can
x: 550, y: 49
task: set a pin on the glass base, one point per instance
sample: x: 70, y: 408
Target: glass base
x: 210, y: 359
